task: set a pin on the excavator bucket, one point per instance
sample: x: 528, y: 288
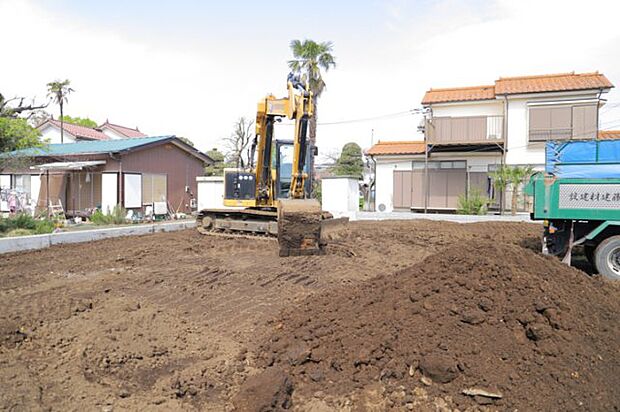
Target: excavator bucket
x: 299, y: 227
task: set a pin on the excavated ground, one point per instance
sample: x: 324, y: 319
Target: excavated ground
x: 394, y: 315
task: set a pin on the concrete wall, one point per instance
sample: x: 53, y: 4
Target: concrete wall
x: 340, y: 195
x: 19, y: 244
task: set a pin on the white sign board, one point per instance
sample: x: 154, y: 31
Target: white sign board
x: 589, y: 196
x: 109, y: 192
x: 133, y: 190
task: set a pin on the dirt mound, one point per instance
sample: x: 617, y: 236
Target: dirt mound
x: 270, y: 390
x: 481, y: 323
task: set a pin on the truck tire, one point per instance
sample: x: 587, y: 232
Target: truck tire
x: 607, y: 258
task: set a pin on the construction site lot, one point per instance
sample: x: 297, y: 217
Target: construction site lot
x: 396, y: 315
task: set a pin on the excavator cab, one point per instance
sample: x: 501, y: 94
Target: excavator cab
x: 284, y: 167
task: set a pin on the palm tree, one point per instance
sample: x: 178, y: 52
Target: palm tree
x: 59, y: 91
x: 501, y: 178
x: 517, y: 177
x: 309, y: 57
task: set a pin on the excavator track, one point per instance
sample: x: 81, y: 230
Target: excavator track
x: 245, y: 223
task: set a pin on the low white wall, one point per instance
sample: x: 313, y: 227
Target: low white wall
x: 23, y: 243
x: 340, y: 195
x: 210, y: 192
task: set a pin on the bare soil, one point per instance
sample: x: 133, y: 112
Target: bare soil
x: 393, y: 315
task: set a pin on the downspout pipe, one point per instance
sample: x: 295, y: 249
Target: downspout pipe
x: 373, y: 199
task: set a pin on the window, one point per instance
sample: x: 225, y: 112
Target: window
x: 22, y: 182
x: 562, y: 122
x: 154, y: 188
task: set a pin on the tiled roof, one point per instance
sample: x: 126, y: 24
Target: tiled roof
x: 396, y: 148
x: 81, y: 132
x: 609, y: 134
x: 459, y: 94
x: 552, y: 83
x: 519, y: 85
x: 125, y: 131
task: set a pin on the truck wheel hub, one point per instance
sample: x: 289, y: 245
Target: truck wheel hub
x: 614, y: 260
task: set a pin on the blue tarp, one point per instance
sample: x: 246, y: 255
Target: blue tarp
x: 583, y: 158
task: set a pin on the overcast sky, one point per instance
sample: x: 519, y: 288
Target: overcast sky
x: 191, y: 68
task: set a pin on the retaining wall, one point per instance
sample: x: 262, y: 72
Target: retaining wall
x: 17, y: 244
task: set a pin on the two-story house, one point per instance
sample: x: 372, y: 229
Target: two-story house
x: 470, y: 131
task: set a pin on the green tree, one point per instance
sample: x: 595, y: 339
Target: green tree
x: 217, y: 168
x: 501, y: 178
x: 517, y: 177
x: 309, y: 57
x: 80, y: 121
x: 350, y: 162
x: 17, y: 134
x: 59, y: 92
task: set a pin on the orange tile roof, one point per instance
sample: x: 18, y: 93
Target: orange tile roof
x: 552, y: 83
x: 609, y: 134
x: 396, y: 148
x: 518, y: 85
x: 459, y: 94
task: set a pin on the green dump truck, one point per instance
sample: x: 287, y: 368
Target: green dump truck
x: 578, y: 198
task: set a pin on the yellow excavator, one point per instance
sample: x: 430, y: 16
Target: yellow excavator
x: 263, y: 200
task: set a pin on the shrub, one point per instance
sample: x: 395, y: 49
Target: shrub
x: 117, y: 217
x: 98, y: 218
x: 19, y: 232
x: 22, y: 221
x: 474, y: 204
x: 44, y: 226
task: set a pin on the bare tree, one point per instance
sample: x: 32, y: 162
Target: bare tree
x: 237, y: 146
x: 16, y: 106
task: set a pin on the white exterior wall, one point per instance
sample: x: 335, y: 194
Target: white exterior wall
x: 518, y: 149
x: 488, y: 108
x: 340, y: 195
x: 52, y: 135
x: 112, y: 134
x: 384, y: 179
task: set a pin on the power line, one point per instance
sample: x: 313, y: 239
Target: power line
x: 409, y: 112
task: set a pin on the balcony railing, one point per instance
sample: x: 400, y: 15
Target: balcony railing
x: 465, y: 130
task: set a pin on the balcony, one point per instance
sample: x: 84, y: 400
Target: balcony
x: 464, y: 130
